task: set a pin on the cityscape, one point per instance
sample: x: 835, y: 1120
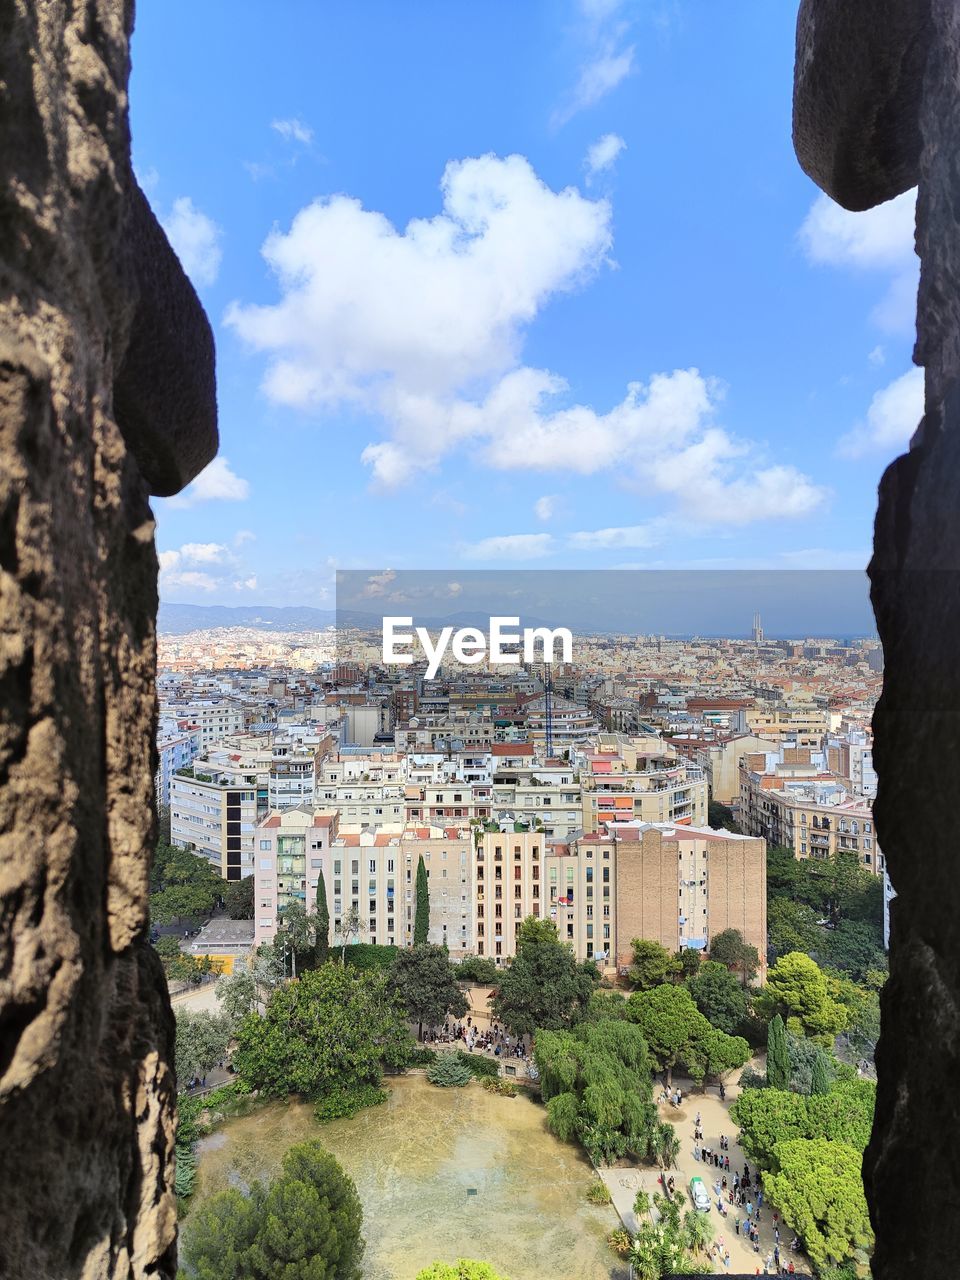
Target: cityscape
x: 678, y: 831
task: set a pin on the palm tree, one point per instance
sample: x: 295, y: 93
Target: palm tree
x: 697, y: 1230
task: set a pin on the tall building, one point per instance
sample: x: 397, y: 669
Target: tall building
x: 757, y: 629
x: 213, y: 811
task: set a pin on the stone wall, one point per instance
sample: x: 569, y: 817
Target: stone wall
x: 877, y: 110
x: 106, y: 393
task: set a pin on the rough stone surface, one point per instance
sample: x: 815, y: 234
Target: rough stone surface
x: 856, y: 103
x: 87, y: 1093
x: 910, y: 126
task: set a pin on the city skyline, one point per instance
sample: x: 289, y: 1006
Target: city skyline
x: 485, y: 295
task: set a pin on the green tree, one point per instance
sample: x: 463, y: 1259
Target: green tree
x: 480, y: 969
x: 596, y: 1083
x: 544, y: 988
x: 238, y: 996
x: 778, y: 1060
x: 652, y: 964
x: 238, y: 898
x: 729, y: 948
x: 720, y: 816
x: 679, y: 1035
x: 426, y: 984
x: 351, y: 926
x: 819, y: 1083
x: 462, y: 1269
x: 421, y: 917
x: 818, y: 1189
x: 719, y: 996
x: 306, y: 1225
x: 770, y: 1116
x: 333, y: 1028
x: 183, y: 886
x: 448, y: 1071
x: 804, y: 1054
x: 862, y: 1004
x: 297, y: 934
x: 797, y: 989
x: 792, y: 926
x: 689, y: 960
x: 202, y: 1040
x: 855, y: 947
x: 322, y: 921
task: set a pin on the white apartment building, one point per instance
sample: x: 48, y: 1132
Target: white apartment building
x: 213, y: 811
x: 214, y: 717
x: 178, y: 744
x: 625, y: 779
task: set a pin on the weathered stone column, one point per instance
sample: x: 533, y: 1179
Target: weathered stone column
x: 106, y: 394
x: 877, y: 109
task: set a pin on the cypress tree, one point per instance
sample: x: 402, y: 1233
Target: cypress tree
x: 818, y: 1079
x: 778, y: 1057
x: 421, y: 919
x: 323, y: 921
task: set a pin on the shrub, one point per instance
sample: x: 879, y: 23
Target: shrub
x: 370, y: 955
x: 599, y: 1193
x: 347, y: 1101
x: 505, y: 1088
x: 750, y: 1078
x: 477, y: 969
x: 619, y: 1241
x: 479, y: 1067
x: 422, y: 1057
x: 449, y: 1072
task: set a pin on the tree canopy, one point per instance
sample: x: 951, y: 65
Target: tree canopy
x: 797, y: 989
x: 238, y: 898
x: 769, y: 1116
x: 183, y: 886
x: 818, y: 1188
x: 426, y: 984
x: 719, y: 996
x: 651, y: 965
x: 306, y: 1225
x: 544, y: 988
x: 334, y: 1028
x: 462, y: 1269
x: 421, y: 915
x: 202, y: 1040
x: 237, y: 994
x: 730, y: 949
x: 678, y: 1034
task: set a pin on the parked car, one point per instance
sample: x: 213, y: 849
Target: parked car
x: 699, y: 1195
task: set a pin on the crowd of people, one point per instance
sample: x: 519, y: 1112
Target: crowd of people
x: 467, y: 1035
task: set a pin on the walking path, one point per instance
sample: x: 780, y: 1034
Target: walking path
x: 624, y: 1183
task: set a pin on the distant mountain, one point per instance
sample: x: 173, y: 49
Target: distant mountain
x: 181, y: 619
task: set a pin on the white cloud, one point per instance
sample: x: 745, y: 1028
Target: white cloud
x: 603, y: 154
x: 509, y: 546
x: 637, y: 535
x: 195, y: 239
x: 608, y: 56
x: 382, y: 317
x: 880, y: 239
x: 192, y: 553
x: 191, y: 580
x: 425, y: 327
x: 877, y: 357
x: 892, y: 418
x: 545, y: 508
x: 246, y: 584
x: 242, y: 536
x: 217, y: 482
x: 293, y: 130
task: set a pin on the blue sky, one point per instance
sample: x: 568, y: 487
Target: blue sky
x: 505, y: 285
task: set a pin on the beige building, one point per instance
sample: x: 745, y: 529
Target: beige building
x: 372, y: 869
x: 213, y: 811
x: 638, y: 779
x: 681, y: 886
x: 805, y: 727
x: 507, y: 886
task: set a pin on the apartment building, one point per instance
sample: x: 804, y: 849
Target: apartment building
x: 681, y: 886
x: 178, y: 744
x: 640, y: 778
x: 534, y: 793
x: 720, y: 761
x: 370, y: 869
x: 214, y: 717
x: 213, y: 811
x: 806, y: 728
x: 507, y: 886
x: 458, y: 802
x: 580, y: 886
x: 851, y: 758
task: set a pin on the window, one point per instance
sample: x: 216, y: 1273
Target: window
x: 265, y: 864
x: 264, y: 844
